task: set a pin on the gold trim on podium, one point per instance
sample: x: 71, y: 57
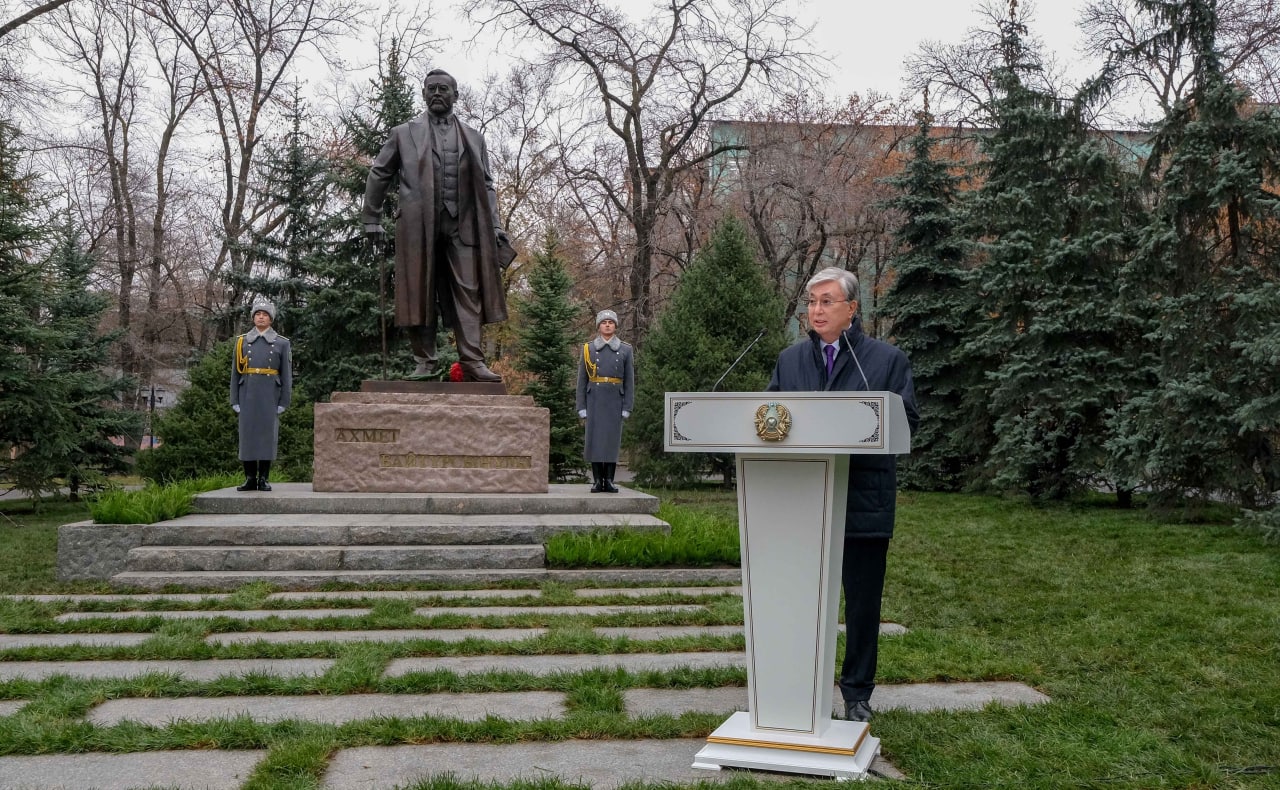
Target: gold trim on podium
x: 853, y: 750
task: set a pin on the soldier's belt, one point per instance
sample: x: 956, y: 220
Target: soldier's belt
x: 603, y: 380
x: 263, y: 371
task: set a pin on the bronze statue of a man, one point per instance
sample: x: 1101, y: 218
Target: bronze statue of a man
x: 447, y: 255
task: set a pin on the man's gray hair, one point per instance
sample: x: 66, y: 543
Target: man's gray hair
x: 847, y: 280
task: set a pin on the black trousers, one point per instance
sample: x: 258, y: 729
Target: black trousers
x: 863, y: 579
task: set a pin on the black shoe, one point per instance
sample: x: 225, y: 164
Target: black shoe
x: 858, y: 710
x: 598, y: 487
x: 263, y: 485
x: 249, y: 484
x: 608, y: 487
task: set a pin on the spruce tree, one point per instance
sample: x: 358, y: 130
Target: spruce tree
x: 545, y: 350
x: 294, y: 177
x: 932, y: 309
x: 338, y: 331
x: 27, y: 411
x: 722, y: 301
x: 90, y: 395
x: 1051, y: 223
x: 1204, y: 284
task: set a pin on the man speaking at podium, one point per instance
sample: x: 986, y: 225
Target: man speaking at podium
x: 839, y: 356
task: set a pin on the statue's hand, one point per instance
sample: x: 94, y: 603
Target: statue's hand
x: 502, y: 236
x: 375, y: 238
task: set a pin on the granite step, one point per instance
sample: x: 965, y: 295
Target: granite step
x: 310, y: 580
x: 334, y: 558
x: 301, y: 498
x: 331, y: 529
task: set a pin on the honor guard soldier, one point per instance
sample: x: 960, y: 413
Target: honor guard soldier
x: 261, y: 387
x: 606, y: 392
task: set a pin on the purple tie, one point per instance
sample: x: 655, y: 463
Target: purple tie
x: 831, y: 358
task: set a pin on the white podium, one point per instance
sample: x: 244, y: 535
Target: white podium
x: 793, y: 464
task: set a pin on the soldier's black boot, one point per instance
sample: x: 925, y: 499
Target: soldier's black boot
x: 597, y: 477
x: 250, y: 477
x: 264, y: 470
x: 609, y: 487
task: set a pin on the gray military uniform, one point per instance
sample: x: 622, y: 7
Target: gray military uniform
x: 261, y: 380
x: 606, y: 388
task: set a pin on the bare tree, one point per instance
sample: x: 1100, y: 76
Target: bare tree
x: 960, y: 76
x: 100, y: 41
x: 28, y: 16
x: 243, y: 51
x: 1248, y: 45
x: 808, y: 183
x: 654, y: 84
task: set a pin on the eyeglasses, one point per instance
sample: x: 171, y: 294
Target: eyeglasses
x: 825, y: 304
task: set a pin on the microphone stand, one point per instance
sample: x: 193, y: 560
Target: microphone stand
x: 739, y: 359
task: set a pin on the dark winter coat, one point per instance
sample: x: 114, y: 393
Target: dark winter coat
x: 410, y: 154
x: 258, y: 394
x: 873, y: 479
x: 605, y: 401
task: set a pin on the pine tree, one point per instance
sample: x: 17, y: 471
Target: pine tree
x: 1204, y: 283
x: 1050, y: 220
x: 932, y: 309
x: 545, y: 350
x: 719, y: 305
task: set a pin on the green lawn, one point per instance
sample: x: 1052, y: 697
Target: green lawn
x: 1158, y: 643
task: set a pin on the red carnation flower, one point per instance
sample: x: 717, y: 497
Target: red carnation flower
x: 455, y: 372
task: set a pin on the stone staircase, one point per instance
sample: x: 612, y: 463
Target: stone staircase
x: 296, y: 538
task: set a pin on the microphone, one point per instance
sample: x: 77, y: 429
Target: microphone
x: 759, y: 335
x: 849, y: 346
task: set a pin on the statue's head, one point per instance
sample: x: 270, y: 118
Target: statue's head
x: 439, y: 91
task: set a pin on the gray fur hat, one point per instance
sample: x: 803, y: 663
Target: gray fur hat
x: 606, y: 315
x: 265, y: 306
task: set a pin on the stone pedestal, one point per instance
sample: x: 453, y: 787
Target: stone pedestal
x: 430, y: 441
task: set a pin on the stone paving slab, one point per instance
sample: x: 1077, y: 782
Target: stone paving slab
x: 175, y: 597
x: 14, y: 641
x: 910, y: 696
x: 187, y: 770
x: 551, y: 664
x: 651, y: 632
x: 187, y: 669
x: 11, y: 706
x: 399, y: 595
x: 601, y: 765
x: 398, y: 635
x: 234, y: 614
x: 640, y: 592
x: 512, y: 706
x: 507, y: 611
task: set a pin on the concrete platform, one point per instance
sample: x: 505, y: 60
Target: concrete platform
x: 297, y: 538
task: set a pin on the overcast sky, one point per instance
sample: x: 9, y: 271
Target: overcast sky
x: 866, y: 41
